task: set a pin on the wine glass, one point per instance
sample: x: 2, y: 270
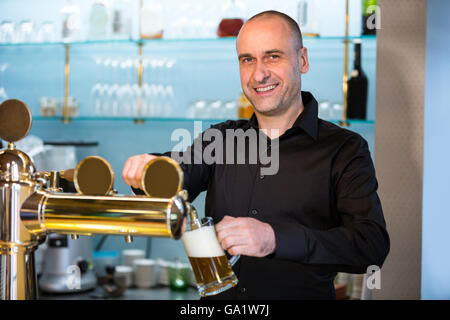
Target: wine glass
x: 126, y: 98
x: 113, y: 90
x: 7, y: 32
x: 98, y: 90
x: 170, y: 100
x: 106, y: 86
x: 25, y: 32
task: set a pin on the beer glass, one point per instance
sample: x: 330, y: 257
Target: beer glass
x: 211, y: 267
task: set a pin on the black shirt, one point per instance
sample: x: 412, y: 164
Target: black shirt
x: 322, y: 205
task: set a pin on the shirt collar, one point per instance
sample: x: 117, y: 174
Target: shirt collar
x: 307, y: 120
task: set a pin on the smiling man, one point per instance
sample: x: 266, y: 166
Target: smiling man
x: 271, y: 59
x: 319, y: 214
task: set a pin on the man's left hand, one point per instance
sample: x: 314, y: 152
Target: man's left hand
x: 246, y: 236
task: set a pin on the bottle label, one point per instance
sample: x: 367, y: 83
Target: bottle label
x: 354, y: 73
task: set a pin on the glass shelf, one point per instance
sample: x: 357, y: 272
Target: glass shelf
x: 187, y: 40
x: 161, y: 119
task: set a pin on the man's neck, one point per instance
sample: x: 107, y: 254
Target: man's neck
x: 276, y: 125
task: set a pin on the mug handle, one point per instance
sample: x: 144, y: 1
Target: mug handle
x: 234, y: 259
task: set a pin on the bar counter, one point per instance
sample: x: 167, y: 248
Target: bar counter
x: 156, y: 293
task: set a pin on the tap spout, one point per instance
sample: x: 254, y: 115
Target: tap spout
x: 45, y: 212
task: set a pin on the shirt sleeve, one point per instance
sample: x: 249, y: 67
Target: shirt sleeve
x: 361, y: 238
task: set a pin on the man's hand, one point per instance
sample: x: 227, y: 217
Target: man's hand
x: 132, y: 170
x: 246, y: 236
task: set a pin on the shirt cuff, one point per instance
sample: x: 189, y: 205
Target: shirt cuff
x: 291, y: 242
x: 138, y: 192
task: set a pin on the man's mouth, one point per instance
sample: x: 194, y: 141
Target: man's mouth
x: 266, y: 89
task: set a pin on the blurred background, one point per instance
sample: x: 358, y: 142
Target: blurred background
x: 86, y: 56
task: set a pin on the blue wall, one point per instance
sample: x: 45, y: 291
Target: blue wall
x: 436, y: 172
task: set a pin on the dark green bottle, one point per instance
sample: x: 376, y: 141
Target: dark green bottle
x: 357, y: 86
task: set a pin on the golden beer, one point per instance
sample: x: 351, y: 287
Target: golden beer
x: 211, y: 267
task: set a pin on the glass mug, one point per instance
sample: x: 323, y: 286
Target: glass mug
x: 210, y: 265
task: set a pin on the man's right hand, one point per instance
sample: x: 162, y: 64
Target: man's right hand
x: 132, y: 170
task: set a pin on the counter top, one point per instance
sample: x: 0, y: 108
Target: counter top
x: 157, y: 293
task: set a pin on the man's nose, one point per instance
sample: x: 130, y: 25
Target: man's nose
x: 261, y: 73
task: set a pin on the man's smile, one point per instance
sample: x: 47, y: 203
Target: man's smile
x: 267, y: 89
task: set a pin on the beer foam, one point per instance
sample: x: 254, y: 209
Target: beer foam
x: 202, y: 243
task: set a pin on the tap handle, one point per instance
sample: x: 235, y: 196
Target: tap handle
x: 162, y: 177
x: 15, y: 120
x: 68, y: 174
x: 41, y: 178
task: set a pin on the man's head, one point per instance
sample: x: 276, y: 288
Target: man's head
x: 271, y: 60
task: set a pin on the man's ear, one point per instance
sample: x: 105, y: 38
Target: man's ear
x: 303, y: 58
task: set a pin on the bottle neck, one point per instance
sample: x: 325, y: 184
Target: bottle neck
x: 357, y: 61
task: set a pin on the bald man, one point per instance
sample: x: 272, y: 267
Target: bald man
x: 319, y: 213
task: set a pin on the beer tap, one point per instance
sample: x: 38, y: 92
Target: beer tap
x: 32, y: 204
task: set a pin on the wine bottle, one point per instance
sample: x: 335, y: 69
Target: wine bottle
x: 367, y: 12
x: 357, y: 88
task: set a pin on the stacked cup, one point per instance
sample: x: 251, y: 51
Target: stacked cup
x: 145, y: 273
x: 129, y: 256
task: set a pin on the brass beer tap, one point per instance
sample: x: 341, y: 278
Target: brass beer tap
x: 32, y: 204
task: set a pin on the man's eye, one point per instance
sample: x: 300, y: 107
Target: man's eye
x: 247, y: 60
x: 274, y: 57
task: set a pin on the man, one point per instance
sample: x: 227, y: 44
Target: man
x: 319, y: 214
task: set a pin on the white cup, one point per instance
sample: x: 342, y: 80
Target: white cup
x: 145, y: 273
x: 163, y: 271
x: 130, y: 255
x: 127, y: 272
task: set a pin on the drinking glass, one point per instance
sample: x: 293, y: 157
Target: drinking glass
x: 7, y: 32
x: 25, y: 32
x: 212, y: 269
x: 46, y: 32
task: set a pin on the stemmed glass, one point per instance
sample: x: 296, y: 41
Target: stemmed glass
x: 113, y: 89
x: 106, y: 86
x: 98, y: 90
x: 170, y: 99
x: 7, y: 34
x: 127, y: 99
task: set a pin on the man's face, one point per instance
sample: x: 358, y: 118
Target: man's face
x: 270, y: 66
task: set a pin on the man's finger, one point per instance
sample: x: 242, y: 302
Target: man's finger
x: 226, y: 222
x: 233, y: 241
x: 183, y: 225
x: 124, y: 172
x: 239, y: 250
x: 139, y: 172
x: 228, y: 232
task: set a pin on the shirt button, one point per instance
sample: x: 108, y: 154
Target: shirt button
x: 254, y: 211
x: 261, y: 176
x: 243, y: 290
